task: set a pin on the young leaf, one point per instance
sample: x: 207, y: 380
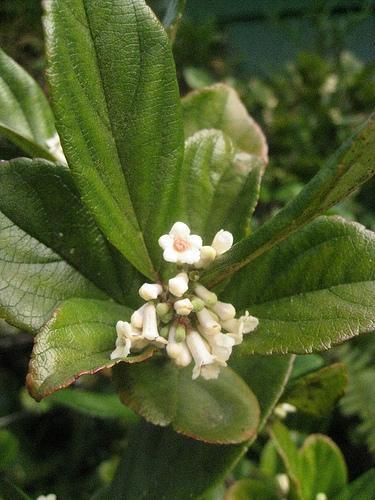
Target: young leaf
x: 116, y: 100
x: 317, y: 392
x: 218, y: 190
x: 219, y: 107
x: 252, y: 489
x: 93, y: 404
x: 312, y: 291
x: 25, y: 115
x: 361, y: 488
x: 78, y: 340
x: 173, y: 17
x: 167, y: 453
x: 220, y: 411
x: 346, y: 171
x: 47, y: 237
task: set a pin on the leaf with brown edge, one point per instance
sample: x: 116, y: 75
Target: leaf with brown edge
x: 221, y: 411
x: 78, y: 340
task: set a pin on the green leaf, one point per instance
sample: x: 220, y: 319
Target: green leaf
x: 25, y: 116
x: 155, y: 454
x: 361, y: 488
x: 312, y: 291
x: 215, y: 411
x: 78, y: 340
x: 252, y: 489
x: 305, y: 364
x: 9, y: 491
x: 218, y: 190
x: 116, y: 101
x: 46, y: 246
x: 317, y: 392
x: 219, y: 107
x: 323, y: 468
x: 343, y: 173
x: 93, y: 404
x: 318, y: 467
x: 8, y: 449
x: 173, y: 17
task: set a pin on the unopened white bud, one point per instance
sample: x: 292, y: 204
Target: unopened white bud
x: 183, y: 307
x: 150, y: 325
x: 207, y: 322
x: 179, y: 284
x: 282, y: 410
x: 283, y: 483
x: 150, y: 291
x: 224, y: 311
x: 208, y: 297
x: 208, y: 255
x: 222, y: 241
x: 179, y: 352
x: 137, y: 317
x: 248, y: 323
x: 321, y: 496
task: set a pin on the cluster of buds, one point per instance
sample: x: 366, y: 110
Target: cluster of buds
x: 182, y: 317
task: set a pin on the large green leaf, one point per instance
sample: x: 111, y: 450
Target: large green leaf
x: 219, y: 107
x: 25, y: 115
x: 316, y: 393
x: 217, y: 189
x: 312, y: 291
x: 115, y: 96
x: 346, y: 171
x: 77, y: 340
x: 50, y: 246
x: 361, y: 488
x: 155, y: 454
x: 215, y: 411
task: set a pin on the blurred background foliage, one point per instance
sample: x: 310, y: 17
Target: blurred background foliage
x: 305, y: 70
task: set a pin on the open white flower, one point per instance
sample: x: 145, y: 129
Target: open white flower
x: 179, y: 284
x: 238, y: 327
x: 221, y: 346
x: 222, y: 242
x: 200, y: 352
x: 180, y: 246
x: 125, y: 336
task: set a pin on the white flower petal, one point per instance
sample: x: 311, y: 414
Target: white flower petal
x: 136, y: 319
x: 199, y: 350
x: 195, y: 241
x: 183, y: 307
x: 179, y: 284
x: 189, y: 256
x: 166, y: 241
x: 222, y: 241
x: 210, y: 372
x: 170, y: 254
x: 180, y: 230
x: 224, y: 310
x: 150, y: 325
x: 207, y: 322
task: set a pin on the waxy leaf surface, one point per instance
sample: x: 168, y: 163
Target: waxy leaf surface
x: 218, y: 190
x: 351, y: 166
x: 312, y: 291
x: 219, y: 107
x: 222, y: 411
x: 116, y: 101
x: 25, y: 115
x: 77, y: 340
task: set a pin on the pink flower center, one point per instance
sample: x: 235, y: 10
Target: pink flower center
x: 180, y: 245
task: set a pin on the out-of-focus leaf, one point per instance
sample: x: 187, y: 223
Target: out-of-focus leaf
x: 361, y: 488
x: 8, y: 449
x: 25, y: 115
x: 310, y: 292
x: 77, y: 340
x: 218, y: 189
x: 117, y: 107
x: 305, y: 364
x: 10, y: 491
x: 173, y: 17
x: 252, y: 489
x: 93, y: 404
x: 219, y: 107
x: 350, y: 167
x: 316, y: 393
x: 223, y: 410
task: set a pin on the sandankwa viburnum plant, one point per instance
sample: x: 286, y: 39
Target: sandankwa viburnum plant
x: 97, y: 258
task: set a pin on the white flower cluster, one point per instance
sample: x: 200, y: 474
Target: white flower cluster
x: 183, y: 317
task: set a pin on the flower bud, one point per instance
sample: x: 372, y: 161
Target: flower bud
x: 222, y: 241
x: 180, y: 334
x: 150, y: 291
x: 162, y: 309
x: 183, y: 307
x: 283, y: 482
x: 208, y: 255
x: 198, y: 304
x: 164, y: 331
x: 224, y: 311
x: 179, y: 284
x: 167, y: 317
x: 208, y: 297
x: 150, y: 326
x: 207, y: 322
x: 179, y: 352
x: 194, y: 276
